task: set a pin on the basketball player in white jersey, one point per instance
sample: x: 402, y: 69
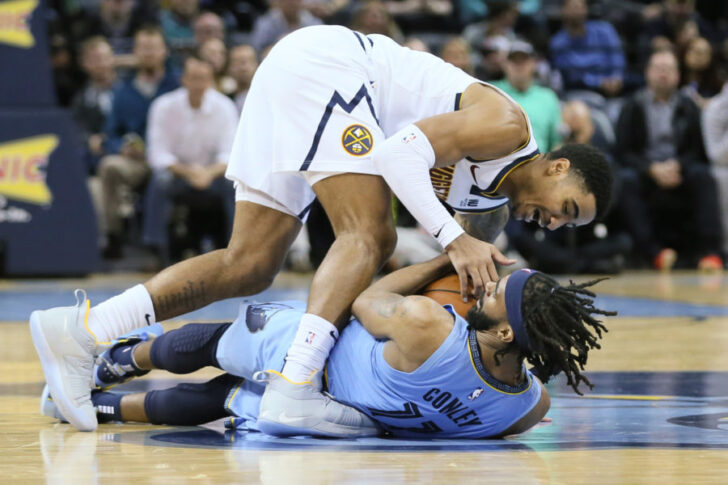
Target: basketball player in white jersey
x: 343, y: 117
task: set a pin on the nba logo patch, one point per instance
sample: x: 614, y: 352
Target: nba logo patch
x: 357, y: 140
x: 409, y: 138
x: 310, y: 337
x: 475, y: 394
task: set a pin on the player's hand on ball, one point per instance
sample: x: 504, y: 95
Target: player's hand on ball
x: 475, y: 260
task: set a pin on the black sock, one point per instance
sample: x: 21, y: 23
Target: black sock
x: 108, y: 405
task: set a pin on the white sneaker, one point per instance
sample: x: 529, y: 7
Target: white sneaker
x: 289, y: 409
x: 66, y: 350
x: 48, y: 407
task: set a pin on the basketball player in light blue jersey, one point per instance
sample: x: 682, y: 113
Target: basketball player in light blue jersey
x: 417, y: 369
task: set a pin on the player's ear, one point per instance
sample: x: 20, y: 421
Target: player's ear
x: 559, y: 166
x: 504, y: 332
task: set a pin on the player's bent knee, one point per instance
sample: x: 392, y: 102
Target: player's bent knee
x: 250, y: 272
x: 378, y: 242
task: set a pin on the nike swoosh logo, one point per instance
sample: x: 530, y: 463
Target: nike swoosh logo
x: 283, y: 418
x: 437, y: 234
x: 473, y: 168
x: 148, y: 318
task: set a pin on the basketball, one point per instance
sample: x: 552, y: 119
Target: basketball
x: 446, y: 291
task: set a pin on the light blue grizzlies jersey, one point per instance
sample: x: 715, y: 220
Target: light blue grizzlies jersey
x: 449, y: 396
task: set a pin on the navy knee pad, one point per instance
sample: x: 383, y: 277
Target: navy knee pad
x: 190, y: 404
x: 189, y: 348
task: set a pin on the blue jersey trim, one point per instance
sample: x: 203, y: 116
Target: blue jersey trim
x: 337, y: 100
x: 306, y: 210
x: 489, y: 379
x: 357, y: 35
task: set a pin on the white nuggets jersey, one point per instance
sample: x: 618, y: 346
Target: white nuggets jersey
x: 323, y: 100
x: 471, y: 185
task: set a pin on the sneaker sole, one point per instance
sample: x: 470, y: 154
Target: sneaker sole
x: 54, y: 379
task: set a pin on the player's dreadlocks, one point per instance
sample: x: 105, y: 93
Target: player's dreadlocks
x: 561, y: 327
x: 560, y: 323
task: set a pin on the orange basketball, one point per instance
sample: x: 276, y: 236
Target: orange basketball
x: 446, y: 291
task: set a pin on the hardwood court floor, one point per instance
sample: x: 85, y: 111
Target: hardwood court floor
x: 658, y: 412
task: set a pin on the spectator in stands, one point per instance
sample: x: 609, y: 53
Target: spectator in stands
x: 456, y: 51
x: 209, y: 26
x: 540, y: 103
x: 670, y: 19
x: 177, y: 23
x: 699, y: 76
x: 491, y: 38
x: 587, y: 53
x: 284, y: 17
x: 117, y: 20
x: 419, y: 15
x: 715, y: 134
x: 215, y: 52
x: 243, y: 64
x: 92, y: 105
x: 715, y: 128
x: 502, y: 15
x: 659, y: 140
x: 582, y: 124
x: 330, y: 11
x: 125, y: 168
x: 371, y: 17
x: 416, y: 44
x: 190, y: 135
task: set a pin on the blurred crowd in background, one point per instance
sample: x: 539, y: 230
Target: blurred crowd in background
x: 156, y: 88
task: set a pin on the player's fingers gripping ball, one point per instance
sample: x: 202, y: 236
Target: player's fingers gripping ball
x: 446, y: 291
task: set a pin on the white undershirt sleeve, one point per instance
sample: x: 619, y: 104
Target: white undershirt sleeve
x: 405, y: 160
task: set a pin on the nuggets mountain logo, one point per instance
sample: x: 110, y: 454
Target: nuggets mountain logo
x: 357, y: 140
x: 15, y: 22
x: 22, y: 169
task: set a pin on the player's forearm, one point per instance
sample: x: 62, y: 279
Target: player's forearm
x: 409, y: 280
x: 404, y: 160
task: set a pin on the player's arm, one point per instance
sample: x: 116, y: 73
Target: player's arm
x: 489, y: 126
x: 534, y: 416
x: 416, y: 325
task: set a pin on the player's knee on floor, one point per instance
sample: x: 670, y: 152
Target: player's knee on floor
x: 189, y: 348
x: 190, y: 404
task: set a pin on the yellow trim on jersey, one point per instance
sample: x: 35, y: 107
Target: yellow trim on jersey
x: 472, y: 361
x: 505, y: 176
x: 232, y: 396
